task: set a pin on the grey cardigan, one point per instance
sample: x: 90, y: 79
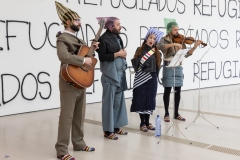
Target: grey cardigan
x: 169, y: 53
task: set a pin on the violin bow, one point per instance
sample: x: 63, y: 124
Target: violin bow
x: 186, y: 34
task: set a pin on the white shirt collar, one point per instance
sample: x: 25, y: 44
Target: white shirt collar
x: 65, y: 31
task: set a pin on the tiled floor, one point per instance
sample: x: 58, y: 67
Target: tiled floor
x: 32, y: 136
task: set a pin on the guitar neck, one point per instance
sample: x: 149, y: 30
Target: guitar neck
x: 91, y: 50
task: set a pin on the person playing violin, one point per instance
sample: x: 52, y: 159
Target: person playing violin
x: 169, y: 48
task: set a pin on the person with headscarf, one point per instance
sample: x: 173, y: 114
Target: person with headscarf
x: 73, y: 101
x: 146, y: 64
x: 112, y: 56
x: 169, y: 49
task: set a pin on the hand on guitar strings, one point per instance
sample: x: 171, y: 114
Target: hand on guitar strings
x: 88, y: 61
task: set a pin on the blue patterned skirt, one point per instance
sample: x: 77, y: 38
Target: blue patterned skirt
x: 168, y: 77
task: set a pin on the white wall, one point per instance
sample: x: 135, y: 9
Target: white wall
x: 217, y: 24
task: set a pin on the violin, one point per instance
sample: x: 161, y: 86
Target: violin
x: 188, y: 40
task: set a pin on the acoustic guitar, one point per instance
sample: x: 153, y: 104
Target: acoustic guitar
x: 82, y: 77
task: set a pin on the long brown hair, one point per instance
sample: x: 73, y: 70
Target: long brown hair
x: 157, y: 53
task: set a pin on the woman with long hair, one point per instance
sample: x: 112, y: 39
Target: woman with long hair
x: 146, y: 64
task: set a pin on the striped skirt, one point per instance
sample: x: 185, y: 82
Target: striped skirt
x: 144, y: 96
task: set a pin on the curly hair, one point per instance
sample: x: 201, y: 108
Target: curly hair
x: 157, y: 53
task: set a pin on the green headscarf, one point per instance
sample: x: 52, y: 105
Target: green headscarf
x: 169, y: 24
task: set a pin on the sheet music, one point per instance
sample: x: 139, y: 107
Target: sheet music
x: 178, y: 58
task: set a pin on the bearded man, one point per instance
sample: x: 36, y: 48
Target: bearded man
x: 73, y: 101
x: 112, y: 56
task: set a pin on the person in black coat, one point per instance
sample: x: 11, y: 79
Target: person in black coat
x: 146, y: 63
x: 113, y: 64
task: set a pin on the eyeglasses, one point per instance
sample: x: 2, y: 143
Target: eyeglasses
x: 77, y: 20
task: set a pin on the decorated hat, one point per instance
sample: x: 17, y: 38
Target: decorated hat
x: 156, y: 32
x: 109, y: 22
x: 65, y: 13
x: 169, y: 24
